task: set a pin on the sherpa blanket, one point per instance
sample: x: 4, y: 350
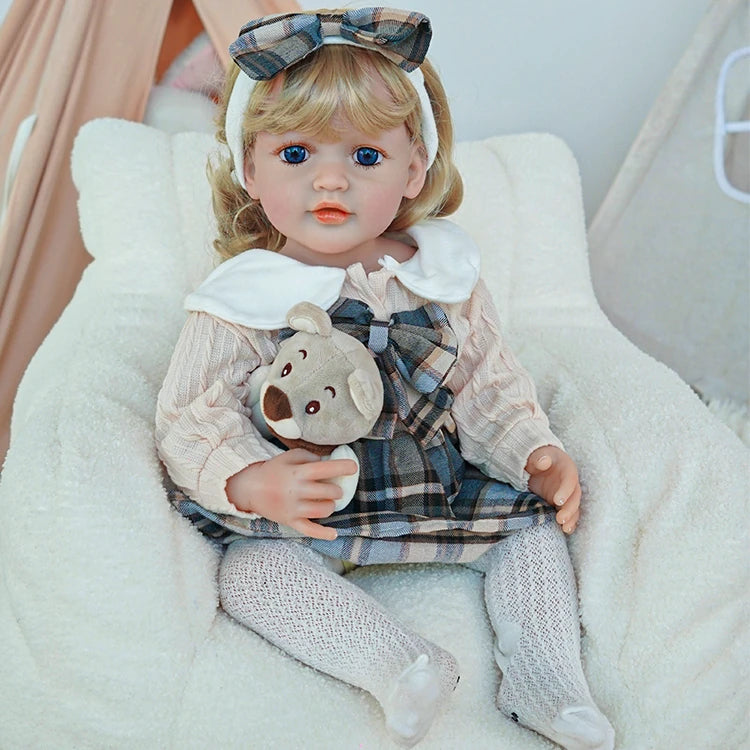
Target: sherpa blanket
x: 110, y: 634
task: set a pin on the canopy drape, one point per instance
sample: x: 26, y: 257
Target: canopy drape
x: 63, y: 62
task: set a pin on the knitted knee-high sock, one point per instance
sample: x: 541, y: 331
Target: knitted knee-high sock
x: 531, y: 600
x: 290, y: 595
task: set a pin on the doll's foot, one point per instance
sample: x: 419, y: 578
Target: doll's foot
x: 582, y: 728
x: 575, y: 728
x: 413, y: 702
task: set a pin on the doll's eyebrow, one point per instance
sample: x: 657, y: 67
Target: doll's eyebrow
x: 331, y: 389
x: 303, y: 353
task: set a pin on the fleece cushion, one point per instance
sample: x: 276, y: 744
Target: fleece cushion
x: 110, y: 633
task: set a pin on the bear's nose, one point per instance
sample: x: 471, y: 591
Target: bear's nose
x: 276, y: 405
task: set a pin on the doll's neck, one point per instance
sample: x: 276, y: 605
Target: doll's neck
x: 368, y: 253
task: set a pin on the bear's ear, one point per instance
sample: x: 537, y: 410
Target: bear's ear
x: 367, y: 393
x: 305, y: 316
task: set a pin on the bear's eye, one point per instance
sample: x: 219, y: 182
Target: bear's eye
x: 287, y: 369
x: 313, y: 407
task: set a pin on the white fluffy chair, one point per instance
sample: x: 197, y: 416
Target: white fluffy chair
x: 110, y: 635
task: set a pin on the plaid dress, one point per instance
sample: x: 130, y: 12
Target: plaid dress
x: 417, y: 500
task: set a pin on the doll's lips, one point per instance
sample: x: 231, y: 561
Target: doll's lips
x: 330, y: 213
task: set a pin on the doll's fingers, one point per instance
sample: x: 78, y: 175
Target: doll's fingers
x: 320, y: 491
x: 314, y: 530
x: 316, y: 508
x: 543, y: 463
x: 571, y: 504
x: 300, y: 456
x: 570, y: 510
x: 568, y: 490
x: 540, y: 485
x: 569, y: 526
x: 539, y: 464
x: 337, y: 467
x: 562, y: 495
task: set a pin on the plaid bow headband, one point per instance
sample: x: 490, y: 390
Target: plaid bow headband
x: 268, y: 45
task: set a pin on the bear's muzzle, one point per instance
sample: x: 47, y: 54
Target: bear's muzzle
x: 277, y: 412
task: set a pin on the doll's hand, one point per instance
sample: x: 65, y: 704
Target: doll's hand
x: 554, y: 477
x: 291, y: 489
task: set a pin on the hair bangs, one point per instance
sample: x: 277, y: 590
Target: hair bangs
x: 336, y: 87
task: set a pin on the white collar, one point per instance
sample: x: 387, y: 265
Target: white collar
x: 257, y: 288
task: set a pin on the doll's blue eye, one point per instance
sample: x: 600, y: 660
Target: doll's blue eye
x: 367, y: 156
x: 294, y: 154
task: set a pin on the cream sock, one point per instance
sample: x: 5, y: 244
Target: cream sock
x: 295, y: 598
x: 531, y: 600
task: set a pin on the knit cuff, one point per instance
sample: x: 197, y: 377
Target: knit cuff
x: 518, y: 444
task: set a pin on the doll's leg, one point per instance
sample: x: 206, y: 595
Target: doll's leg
x: 532, y: 603
x: 291, y: 595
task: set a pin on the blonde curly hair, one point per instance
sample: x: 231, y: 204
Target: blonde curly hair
x: 336, y: 79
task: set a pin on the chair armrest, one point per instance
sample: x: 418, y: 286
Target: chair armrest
x: 661, y: 551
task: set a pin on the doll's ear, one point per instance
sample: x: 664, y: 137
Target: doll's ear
x: 305, y: 316
x: 417, y: 172
x: 250, y: 178
x: 367, y: 393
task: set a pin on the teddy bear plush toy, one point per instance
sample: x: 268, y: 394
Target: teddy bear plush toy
x: 322, y: 391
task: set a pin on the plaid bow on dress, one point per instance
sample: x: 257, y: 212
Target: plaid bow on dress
x: 270, y: 44
x: 416, y: 349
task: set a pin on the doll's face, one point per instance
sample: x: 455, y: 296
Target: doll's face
x: 331, y: 200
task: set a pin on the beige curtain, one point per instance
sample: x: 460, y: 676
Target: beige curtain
x: 63, y: 62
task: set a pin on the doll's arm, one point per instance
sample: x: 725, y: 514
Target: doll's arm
x: 500, y: 423
x: 204, y: 434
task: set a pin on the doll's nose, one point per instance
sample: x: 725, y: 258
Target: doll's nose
x: 331, y: 176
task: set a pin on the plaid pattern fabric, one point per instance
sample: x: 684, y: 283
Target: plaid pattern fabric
x: 417, y: 499
x: 270, y: 44
x: 485, y: 512
x: 402, y: 476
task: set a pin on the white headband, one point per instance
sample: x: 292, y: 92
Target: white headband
x: 243, y: 88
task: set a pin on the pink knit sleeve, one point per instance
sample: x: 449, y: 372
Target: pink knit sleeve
x: 203, y: 430
x: 496, y: 412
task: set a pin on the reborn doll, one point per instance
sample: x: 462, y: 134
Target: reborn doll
x: 339, y: 168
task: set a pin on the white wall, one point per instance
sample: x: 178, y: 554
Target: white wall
x: 586, y: 70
